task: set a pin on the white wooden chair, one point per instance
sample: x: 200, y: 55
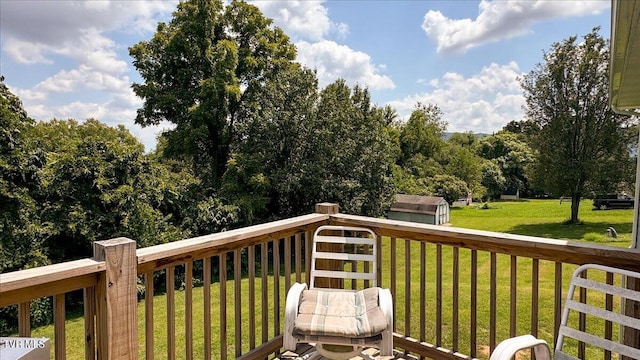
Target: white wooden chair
x: 340, y: 321
x: 593, y: 313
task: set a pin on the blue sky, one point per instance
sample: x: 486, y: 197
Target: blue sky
x: 69, y: 59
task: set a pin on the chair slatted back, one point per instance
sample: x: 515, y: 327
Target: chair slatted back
x: 359, y: 250
x: 585, y: 317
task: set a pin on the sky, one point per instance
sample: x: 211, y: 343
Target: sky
x: 70, y: 59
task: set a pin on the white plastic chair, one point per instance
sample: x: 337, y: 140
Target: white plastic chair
x: 341, y: 322
x: 595, y: 286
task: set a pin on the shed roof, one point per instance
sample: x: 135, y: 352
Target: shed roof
x: 417, y: 204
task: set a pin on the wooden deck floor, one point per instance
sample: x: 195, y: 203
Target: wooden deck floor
x: 303, y: 352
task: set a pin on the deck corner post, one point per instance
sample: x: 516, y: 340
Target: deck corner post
x: 327, y: 208
x: 116, y: 300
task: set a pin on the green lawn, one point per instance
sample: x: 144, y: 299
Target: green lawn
x: 542, y: 218
x: 545, y: 218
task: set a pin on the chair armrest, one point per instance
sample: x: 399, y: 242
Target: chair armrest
x: 508, y: 348
x: 291, y: 313
x: 386, y: 304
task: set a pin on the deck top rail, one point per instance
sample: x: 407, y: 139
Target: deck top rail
x: 562, y: 251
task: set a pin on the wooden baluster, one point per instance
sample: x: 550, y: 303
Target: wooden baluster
x: 59, y: 318
x: 407, y: 289
x: 535, y: 289
x: 608, y: 324
x: 252, y: 296
x: 582, y: 318
x: 557, y: 301
x: 492, y: 303
x: 188, y: 311
x: 631, y: 336
x: 237, y: 277
x: 438, y: 295
x: 287, y: 263
x: 513, y: 297
x: 24, y: 319
x: 148, y: 315
x: 455, y: 294
x: 474, y: 304
x: 264, y: 273
x: 171, y: 313
x: 276, y: 288
x: 223, y: 305
x: 206, y: 293
x: 307, y: 255
x: 298, y: 257
x: 423, y: 290
x: 394, y: 275
x: 89, y: 304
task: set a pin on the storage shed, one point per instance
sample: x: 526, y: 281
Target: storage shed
x: 422, y: 209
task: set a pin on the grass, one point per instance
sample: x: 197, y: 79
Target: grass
x: 546, y: 218
x: 543, y: 218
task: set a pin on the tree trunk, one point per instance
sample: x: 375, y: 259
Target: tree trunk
x: 575, y: 206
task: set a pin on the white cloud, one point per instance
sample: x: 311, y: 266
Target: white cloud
x: 304, y: 19
x: 499, y: 20
x: 333, y: 61
x: 74, y: 39
x: 55, y: 23
x: 484, y: 102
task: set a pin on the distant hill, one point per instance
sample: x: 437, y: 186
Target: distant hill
x: 447, y: 135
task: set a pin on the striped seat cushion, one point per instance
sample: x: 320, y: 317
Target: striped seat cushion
x: 327, y: 313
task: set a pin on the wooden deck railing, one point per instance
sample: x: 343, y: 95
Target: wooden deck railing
x: 457, y: 292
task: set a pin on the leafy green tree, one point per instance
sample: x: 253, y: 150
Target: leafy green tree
x: 525, y: 127
x: 422, y: 134
x: 99, y: 185
x: 465, y: 165
x: 512, y: 155
x: 465, y: 139
x: 449, y: 187
x: 264, y: 175
x: 493, y: 181
x: 198, y: 70
x: 567, y: 98
x: 21, y: 230
x: 349, y: 152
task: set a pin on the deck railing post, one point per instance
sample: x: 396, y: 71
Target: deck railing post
x: 116, y: 300
x: 325, y: 264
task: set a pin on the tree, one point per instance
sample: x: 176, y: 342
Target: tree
x: 512, y: 156
x: 567, y: 98
x: 348, y: 152
x: 195, y: 69
x: 98, y: 185
x: 273, y: 125
x: 464, y: 165
x: 449, y: 187
x: 465, y: 139
x: 21, y: 230
x: 492, y: 179
x: 422, y: 134
x: 527, y: 128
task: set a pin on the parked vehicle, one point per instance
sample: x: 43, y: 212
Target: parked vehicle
x: 610, y: 201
